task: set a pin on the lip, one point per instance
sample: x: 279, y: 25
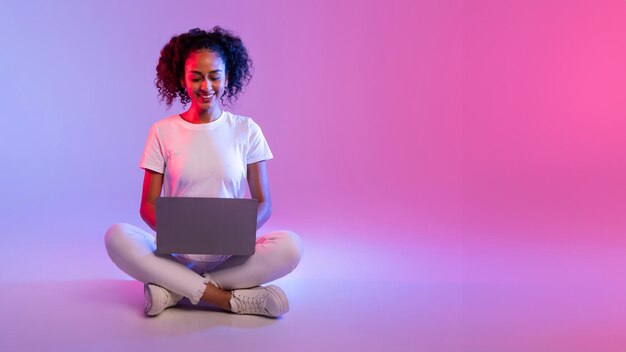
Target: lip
x: 206, y: 97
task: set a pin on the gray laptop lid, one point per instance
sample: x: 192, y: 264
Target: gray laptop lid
x: 206, y: 225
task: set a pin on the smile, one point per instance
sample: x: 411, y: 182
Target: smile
x: 206, y: 97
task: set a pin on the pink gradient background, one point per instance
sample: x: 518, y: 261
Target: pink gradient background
x: 487, y: 138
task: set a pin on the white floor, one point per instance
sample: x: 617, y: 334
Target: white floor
x: 344, y: 296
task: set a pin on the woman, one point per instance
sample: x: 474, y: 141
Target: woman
x: 205, y: 152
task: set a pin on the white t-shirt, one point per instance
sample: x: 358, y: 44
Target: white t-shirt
x: 204, y: 160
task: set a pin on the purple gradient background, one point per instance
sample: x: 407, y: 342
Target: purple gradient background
x: 361, y: 105
x: 489, y: 135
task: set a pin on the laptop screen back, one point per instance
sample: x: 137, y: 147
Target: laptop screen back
x: 206, y: 225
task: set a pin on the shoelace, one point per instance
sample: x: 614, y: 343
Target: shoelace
x: 164, y: 297
x: 252, y: 304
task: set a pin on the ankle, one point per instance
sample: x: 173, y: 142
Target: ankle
x: 217, y: 297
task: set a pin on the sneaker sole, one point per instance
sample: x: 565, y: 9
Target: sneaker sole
x: 282, y: 299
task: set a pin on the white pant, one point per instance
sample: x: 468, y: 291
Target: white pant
x: 132, y: 250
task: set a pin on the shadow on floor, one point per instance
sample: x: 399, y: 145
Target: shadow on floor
x: 103, y: 309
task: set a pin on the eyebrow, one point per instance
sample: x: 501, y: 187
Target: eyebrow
x: 200, y: 73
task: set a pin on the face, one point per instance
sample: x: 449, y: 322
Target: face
x: 204, y: 79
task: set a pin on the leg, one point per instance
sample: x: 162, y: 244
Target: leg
x: 216, y: 296
x: 276, y: 255
x: 132, y: 250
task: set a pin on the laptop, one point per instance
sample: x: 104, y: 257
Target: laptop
x: 224, y: 226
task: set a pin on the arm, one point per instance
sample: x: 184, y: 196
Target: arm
x: 259, y: 184
x: 152, y: 184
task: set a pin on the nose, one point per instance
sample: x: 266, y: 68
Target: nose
x: 205, y: 84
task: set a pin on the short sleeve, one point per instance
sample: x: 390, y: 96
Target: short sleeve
x: 258, y: 149
x: 152, y: 157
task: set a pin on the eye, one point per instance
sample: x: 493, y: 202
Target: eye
x: 195, y: 80
x: 216, y: 78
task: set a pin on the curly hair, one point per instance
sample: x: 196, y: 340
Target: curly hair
x: 171, y: 66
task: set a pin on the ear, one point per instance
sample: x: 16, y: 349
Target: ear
x: 182, y: 83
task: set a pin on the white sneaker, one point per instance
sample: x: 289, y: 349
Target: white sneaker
x: 158, y: 298
x: 270, y: 301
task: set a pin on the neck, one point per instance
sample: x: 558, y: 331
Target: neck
x: 194, y: 115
